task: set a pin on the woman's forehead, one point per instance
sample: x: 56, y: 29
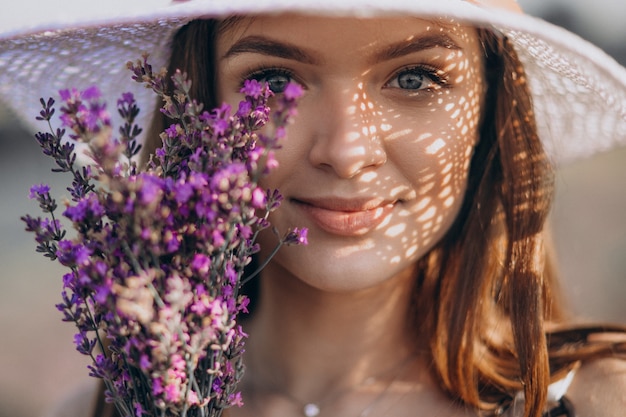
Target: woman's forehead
x: 336, y: 29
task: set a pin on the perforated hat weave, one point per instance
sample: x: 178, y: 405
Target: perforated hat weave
x: 579, y: 92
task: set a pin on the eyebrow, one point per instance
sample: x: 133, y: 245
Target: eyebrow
x: 265, y: 46
x: 415, y: 44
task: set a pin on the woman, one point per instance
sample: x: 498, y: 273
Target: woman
x: 416, y: 163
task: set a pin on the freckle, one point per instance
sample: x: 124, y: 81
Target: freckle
x: 449, y: 201
x: 395, y: 259
x: 370, y: 105
x: 385, y: 127
x: 460, y: 79
x: 445, y: 192
x: 449, y: 106
x: 464, y: 129
x: 362, y: 106
x: 372, y: 130
x: 447, y: 168
x: 456, y: 113
x: 446, y: 179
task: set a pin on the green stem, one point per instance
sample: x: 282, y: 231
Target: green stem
x: 91, y: 317
x: 263, y: 265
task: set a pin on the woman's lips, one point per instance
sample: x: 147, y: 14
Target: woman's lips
x: 346, y: 217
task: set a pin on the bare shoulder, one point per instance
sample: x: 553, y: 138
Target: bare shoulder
x: 77, y: 403
x: 599, y: 388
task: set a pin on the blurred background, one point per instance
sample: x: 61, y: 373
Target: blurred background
x: 38, y: 363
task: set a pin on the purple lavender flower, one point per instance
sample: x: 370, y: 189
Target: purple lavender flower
x: 69, y: 94
x: 83, y: 112
x: 70, y: 254
x: 156, y: 258
x: 38, y: 191
x: 83, y: 343
x: 86, y: 210
x: 253, y: 89
x: 297, y: 236
x: 127, y: 100
x: 292, y: 92
x: 245, y: 107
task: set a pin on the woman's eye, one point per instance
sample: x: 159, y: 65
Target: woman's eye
x: 276, y: 80
x: 416, y: 79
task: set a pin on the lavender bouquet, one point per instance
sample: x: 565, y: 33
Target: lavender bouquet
x: 156, y: 262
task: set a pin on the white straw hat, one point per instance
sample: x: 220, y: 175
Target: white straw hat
x: 579, y: 92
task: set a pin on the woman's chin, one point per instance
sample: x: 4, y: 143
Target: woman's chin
x: 354, y: 272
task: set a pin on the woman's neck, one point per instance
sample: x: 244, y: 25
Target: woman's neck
x: 306, y: 343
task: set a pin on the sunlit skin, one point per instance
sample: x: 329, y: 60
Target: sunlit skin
x: 375, y: 166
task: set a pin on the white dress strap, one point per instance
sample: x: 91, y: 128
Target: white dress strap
x: 556, y: 391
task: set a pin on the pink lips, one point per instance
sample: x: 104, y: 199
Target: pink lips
x: 342, y: 217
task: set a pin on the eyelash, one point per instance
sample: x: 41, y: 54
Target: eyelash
x: 436, y: 75
x: 264, y: 73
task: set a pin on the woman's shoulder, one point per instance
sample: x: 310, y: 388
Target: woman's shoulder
x: 599, y: 388
x: 79, y: 402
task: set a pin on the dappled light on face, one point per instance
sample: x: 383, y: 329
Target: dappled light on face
x: 430, y: 141
x: 350, y: 142
x: 386, y: 129
x: 396, y: 230
x: 437, y: 145
x: 368, y: 177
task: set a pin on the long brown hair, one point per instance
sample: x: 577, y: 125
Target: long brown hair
x: 496, y: 325
x: 486, y: 295
x: 489, y: 277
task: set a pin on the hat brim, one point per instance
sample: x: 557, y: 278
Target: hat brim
x: 579, y: 92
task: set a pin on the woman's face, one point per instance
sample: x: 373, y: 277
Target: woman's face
x: 376, y: 163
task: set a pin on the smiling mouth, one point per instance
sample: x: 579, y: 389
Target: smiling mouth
x: 346, y: 217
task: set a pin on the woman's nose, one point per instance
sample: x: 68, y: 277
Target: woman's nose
x: 348, y: 136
